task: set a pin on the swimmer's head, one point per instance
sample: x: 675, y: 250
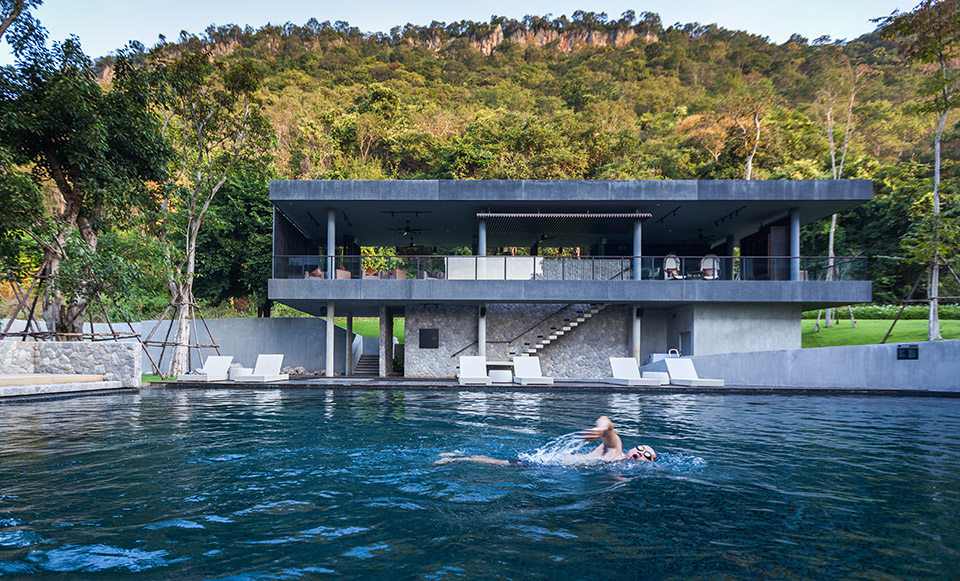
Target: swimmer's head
x: 642, y: 453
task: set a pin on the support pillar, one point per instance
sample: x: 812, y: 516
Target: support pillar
x: 482, y: 331
x: 331, y: 242
x: 795, y: 244
x: 637, y: 314
x: 330, y: 336
x: 482, y: 238
x: 637, y: 249
x: 386, y: 342
x: 348, y: 367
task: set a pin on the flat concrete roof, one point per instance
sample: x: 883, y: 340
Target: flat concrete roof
x: 443, y: 212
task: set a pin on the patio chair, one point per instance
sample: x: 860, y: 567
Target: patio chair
x: 215, y: 368
x: 526, y: 371
x: 710, y: 267
x: 267, y: 370
x: 627, y: 372
x: 671, y: 267
x: 473, y: 370
x: 682, y: 372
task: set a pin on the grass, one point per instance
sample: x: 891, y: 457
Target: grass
x: 370, y: 326
x: 870, y: 331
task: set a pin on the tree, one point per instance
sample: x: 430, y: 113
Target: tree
x: 214, y: 122
x: 746, y: 110
x: 99, y: 149
x: 14, y: 11
x: 837, y: 85
x: 930, y: 34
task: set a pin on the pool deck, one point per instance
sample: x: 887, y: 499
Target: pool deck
x: 402, y: 383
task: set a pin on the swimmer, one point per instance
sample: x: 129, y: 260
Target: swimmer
x: 609, y: 450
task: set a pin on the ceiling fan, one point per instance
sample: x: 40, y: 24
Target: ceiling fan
x: 408, y: 231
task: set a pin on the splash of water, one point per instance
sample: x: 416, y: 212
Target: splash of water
x: 566, y: 450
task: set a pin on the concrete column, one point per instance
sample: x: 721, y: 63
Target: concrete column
x: 482, y: 331
x: 330, y: 336
x: 386, y: 342
x: 635, y: 336
x: 482, y: 238
x: 348, y: 367
x: 331, y: 242
x: 795, y: 244
x: 637, y: 248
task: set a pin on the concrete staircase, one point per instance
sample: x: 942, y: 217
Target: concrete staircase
x: 555, y: 333
x: 368, y: 366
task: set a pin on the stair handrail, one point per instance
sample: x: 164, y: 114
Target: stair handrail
x: 522, y: 333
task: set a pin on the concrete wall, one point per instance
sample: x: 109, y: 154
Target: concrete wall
x: 751, y: 327
x: 301, y: 340
x: 856, y: 366
x: 116, y: 362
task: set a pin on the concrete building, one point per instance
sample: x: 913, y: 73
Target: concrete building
x: 572, y: 271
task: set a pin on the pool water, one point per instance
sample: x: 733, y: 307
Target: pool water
x: 274, y: 484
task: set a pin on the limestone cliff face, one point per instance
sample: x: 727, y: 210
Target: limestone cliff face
x: 566, y: 42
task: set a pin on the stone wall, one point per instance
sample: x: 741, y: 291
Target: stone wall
x: 116, y: 362
x: 457, y: 326
x: 583, y: 352
x: 16, y: 357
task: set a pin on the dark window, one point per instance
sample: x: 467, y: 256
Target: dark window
x: 429, y: 338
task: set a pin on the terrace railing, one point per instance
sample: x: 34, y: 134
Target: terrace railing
x: 570, y: 268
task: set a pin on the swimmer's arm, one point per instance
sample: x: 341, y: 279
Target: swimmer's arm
x: 477, y: 459
x: 603, y: 431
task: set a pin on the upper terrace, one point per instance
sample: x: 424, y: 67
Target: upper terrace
x: 610, y: 230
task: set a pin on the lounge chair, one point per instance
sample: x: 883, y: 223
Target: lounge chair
x: 266, y: 370
x: 215, y: 368
x: 682, y: 372
x: 662, y: 376
x: 526, y: 371
x: 473, y: 370
x: 710, y: 267
x: 627, y: 372
x: 671, y: 267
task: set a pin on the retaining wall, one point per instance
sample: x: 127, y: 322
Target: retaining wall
x: 937, y: 367
x: 116, y: 362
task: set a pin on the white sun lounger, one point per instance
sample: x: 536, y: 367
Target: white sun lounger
x: 473, y: 370
x: 266, y: 370
x: 526, y: 371
x: 682, y: 372
x: 627, y: 372
x: 662, y: 376
x: 215, y: 368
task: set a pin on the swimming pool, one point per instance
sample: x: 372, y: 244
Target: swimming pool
x: 273, y: 484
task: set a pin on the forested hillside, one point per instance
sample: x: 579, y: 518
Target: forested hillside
x: 586, y: 97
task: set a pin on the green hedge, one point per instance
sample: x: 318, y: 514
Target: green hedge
x: 890, y: 311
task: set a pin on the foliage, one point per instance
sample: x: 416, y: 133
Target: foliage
x: 77, y: 156
x: 888, y: 312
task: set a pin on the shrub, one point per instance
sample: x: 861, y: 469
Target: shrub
x: 867, y: 312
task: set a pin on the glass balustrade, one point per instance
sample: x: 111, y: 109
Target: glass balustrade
x: 668, y: 267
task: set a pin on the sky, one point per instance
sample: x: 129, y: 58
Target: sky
x: 106, y: 25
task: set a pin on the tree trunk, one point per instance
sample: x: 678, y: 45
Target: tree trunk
x: 831, y: 262
x: 933, y: 292
x: 183, y: 301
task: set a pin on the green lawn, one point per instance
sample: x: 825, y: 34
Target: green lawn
x: 370, y: 326
x: 871, y: 331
